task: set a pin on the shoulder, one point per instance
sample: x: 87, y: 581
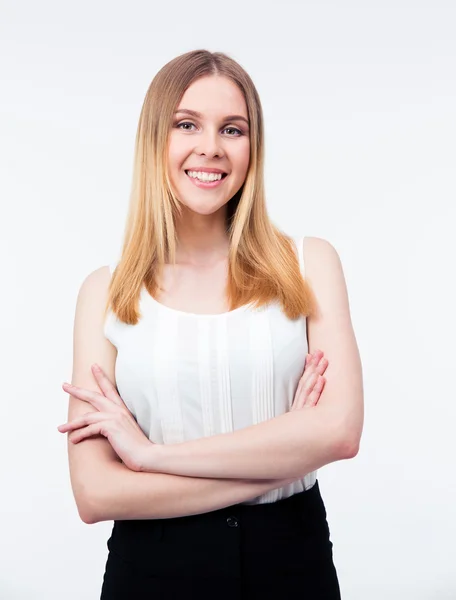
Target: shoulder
x: 324, y: 273
x: 315, y: 247
x: 91, y: 308
x: 319, y: 254
x: 95, y: 286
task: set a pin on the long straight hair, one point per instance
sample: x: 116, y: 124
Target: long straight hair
x: 262, y: 261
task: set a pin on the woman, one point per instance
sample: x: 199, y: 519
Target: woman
x: 205, y: 452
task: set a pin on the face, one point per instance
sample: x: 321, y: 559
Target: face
x: 216, y: 138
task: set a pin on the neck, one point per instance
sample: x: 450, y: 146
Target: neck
x: 201, y: 239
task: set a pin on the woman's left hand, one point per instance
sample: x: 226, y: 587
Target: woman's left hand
x: 112, y: 419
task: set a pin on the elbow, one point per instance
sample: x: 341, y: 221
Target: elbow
x: 348, y: 436
x: 348, y: 446
x: 88, y: 507
x: 93, y: 494
x: 86, y: 512
x: 86, y: 517
x: 349, y: 449
x: 347, y: 442
x: 90, y: 516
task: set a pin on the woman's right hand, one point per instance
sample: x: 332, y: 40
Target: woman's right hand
x: 312, y: 382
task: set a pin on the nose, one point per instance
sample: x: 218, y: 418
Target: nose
x: 209, y: 143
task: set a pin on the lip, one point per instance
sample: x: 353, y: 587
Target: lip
x: 206, y: 184
x: 206, y: 170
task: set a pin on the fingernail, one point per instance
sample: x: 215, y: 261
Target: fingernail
x: 96, y: 367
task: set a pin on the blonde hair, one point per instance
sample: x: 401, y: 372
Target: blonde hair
x: 263, y: 264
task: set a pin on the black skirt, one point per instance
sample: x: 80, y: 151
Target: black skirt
x: 248, y: 551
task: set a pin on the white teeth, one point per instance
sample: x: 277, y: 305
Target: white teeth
x: 205, y: 176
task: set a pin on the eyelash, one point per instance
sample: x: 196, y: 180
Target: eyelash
x: 189, y: 123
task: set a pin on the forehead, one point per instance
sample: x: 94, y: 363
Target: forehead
x: 213, y: 96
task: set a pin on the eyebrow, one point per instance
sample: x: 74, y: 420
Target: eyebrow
x: 196, y: 114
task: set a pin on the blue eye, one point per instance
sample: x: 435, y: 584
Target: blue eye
x: 179, y: 125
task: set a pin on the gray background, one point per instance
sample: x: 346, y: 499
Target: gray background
x: 359, y: 102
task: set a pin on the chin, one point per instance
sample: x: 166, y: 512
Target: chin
x: 203, y: 209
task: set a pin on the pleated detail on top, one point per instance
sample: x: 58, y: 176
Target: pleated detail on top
x: 223, y: 370
x: 185, y: 376
x: 262, y: 376
x: 167, y: 390
x: 205, y: 368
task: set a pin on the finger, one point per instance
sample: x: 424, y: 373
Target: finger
x: 301, y: 384
x: 309, y: 385
x: 89, y: 431
x: 316, y: 356
x: 304, y: 389
x: 106, y: 385
x: 320, y: 368
x: 314, y: 363
x: 314, y: 396
x: 83, y: 420
x: 308, y: 361
x: 94, y: 398
x: 322, y: 365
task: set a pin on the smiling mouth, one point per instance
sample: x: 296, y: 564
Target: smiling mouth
x: 223, y: 176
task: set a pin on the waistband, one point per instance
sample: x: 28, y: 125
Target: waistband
x: 307, y: 504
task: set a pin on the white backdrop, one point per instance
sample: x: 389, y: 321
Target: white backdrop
x: 359, y: 100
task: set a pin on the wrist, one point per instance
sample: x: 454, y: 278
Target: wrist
x: 150, y: 460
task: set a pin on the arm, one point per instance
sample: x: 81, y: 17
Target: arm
x: 297, y: 442
x: 126, y: 495
x: 104, y: 489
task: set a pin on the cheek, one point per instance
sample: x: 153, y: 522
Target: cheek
x: 177, y: 153
x: 242, y: 162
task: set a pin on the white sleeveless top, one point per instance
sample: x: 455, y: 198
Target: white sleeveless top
x: 186, y: 376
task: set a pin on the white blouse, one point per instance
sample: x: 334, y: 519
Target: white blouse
x: 185, y: 376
